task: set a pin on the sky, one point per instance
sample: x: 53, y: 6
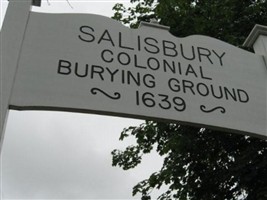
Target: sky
x: 60, y: 155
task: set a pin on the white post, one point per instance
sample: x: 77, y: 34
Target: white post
x: 258, y: 40
x: 11, y: 35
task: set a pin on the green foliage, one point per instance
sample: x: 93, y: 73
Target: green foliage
x: 199, y: 164
x: 227, y: 20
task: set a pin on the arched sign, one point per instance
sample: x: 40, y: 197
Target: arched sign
x: 93, y: 64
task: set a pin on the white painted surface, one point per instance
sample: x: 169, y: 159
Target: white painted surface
x: 51, y: 38
x: 261, y: 45
x: 258, y: 39
x: 11, y: 35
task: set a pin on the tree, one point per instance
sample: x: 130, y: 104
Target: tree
x: 227, y: 20
x: 199, y: 164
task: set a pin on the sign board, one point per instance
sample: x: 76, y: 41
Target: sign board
x: 93, y: 64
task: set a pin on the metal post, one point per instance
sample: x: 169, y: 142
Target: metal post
x: 11, y: 35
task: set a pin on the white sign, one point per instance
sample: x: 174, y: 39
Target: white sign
x: 93, y: 64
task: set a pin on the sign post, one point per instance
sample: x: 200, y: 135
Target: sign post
x: 258, y: 40
x: 12, y: 35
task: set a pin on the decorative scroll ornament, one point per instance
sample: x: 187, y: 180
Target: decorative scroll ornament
x: 204, y: 109
x: 116, y: 96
